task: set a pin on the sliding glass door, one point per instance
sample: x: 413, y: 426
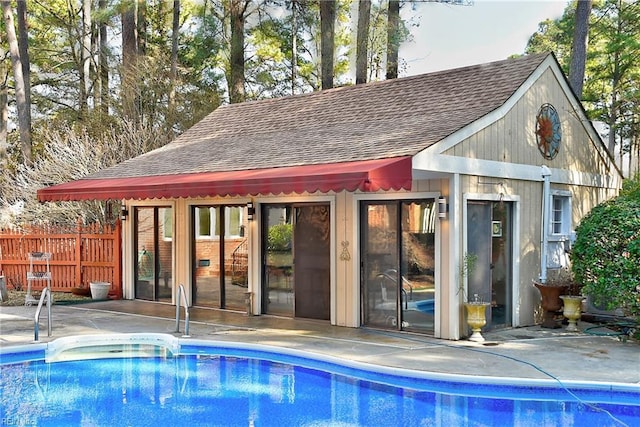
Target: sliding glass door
x: 398, y: 264
x: 296, y: 260
x: 489, y: 241
x: 220, y: 256
x: 154, y: 253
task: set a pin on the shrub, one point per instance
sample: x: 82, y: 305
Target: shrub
x: 279, y: 237
x: 605, y: 257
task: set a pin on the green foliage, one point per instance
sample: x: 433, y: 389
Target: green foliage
x: 606, y: 255
x: 631, y: 188
x: 612, y: 75
x: 279, y: 237
x: 467, y: 267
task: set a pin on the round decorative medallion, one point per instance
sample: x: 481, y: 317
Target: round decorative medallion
x: 548, y: 131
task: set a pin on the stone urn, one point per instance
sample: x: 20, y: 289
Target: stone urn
x: 476, y: 318
x: 551, y: 304
x: 572, y: 310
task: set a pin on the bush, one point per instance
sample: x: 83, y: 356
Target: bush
x: 279, y: 237
x: 606, y: 255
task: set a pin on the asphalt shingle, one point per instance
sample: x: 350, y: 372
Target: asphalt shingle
x: 384, y: 119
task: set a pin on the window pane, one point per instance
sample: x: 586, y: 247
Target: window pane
x: 556, y: 219
x: 233, y: 216
x: 215, y: 217
x: 167, y: 223
x: 204, y: 222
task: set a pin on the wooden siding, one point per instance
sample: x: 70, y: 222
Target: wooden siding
x: 529, y: 194
x: 512, y: 138
x: 79, y: 256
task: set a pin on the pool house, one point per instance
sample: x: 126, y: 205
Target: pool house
x: 361, y: 205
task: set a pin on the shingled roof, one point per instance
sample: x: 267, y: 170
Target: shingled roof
x: 378, y: 120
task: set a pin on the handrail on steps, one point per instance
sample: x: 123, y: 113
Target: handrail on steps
x: 182, y: 297
x: 45, y: 292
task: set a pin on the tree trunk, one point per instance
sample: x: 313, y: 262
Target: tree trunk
x: 129, y: 59
x: 175, y: 28
x: 103, y: 59
x: 23, y: 45
x: 85, y: 57
x: 21, y: 98
x: 362, y: 41
x: 237, y: 10
x: 4, y: 110
x: 613, y: 108
x: 327, y: 43
x: 579, y: 47
x: 393, y: 39
x: 141, y: 21
x: 294, y: 44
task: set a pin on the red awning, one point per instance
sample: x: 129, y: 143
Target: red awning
x: 366, y: 175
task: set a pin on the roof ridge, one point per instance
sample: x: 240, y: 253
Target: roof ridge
x: 399, y: 80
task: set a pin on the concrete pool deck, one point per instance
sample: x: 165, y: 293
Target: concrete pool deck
x: 531, y: 352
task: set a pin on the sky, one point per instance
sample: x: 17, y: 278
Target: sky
x: 489, y: 30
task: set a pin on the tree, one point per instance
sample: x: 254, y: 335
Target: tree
x: 327, y: 43
x: 19, y: 81
x: 393, y: 38
x: 129, y: 58
x: 362, y: 40
x: 579, y: 46
x: 23, y: 46
x: 4, y: 110
x: 175, y: 28
x: 610, y: 93
x: 71, y: 153
x: 238, y: 9
x: 86, y: 52
x: 103, y: 58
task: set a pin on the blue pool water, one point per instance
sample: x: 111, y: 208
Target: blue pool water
x: 202, y: 384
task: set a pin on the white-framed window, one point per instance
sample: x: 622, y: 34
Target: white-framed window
x: 559, y: 232
x: 166, y: 216
x: 208, y: 224
x: 560, y: 214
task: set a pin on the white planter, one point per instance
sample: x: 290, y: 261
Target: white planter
x: 99, y: 290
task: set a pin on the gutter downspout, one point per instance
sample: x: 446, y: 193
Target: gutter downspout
x: 546, y: 192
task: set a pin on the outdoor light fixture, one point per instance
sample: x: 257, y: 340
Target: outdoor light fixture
x: 251, y: 211
x: 442, y: 207
x: 124, y: 213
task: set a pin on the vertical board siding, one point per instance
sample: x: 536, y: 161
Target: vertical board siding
x: 88, y: 253
x: 512, y: 138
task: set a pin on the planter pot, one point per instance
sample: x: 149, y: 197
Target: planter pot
x: 572, y: 310
x: 99, y: 290
x: 551, y: 304
x: 476, y: 318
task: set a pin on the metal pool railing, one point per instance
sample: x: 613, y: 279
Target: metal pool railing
x: 46, y: 292
x: 182, y: 298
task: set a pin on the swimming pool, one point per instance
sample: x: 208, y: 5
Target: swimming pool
x: 158, y: 380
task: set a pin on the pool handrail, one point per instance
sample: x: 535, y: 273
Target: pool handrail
x: 36, y: 320
x: 182, y: 298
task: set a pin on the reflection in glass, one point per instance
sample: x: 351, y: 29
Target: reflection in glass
x: 154, y: 253
x: 398, y: 250
x: 220, y: 256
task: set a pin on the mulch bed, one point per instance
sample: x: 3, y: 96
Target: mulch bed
x: 17, y: 298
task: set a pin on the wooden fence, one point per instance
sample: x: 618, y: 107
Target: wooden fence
x: 79, y: 256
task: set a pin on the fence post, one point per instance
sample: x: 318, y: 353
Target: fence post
x: 78, y: 255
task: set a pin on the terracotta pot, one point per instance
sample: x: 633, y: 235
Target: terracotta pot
x: 551, y: 304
